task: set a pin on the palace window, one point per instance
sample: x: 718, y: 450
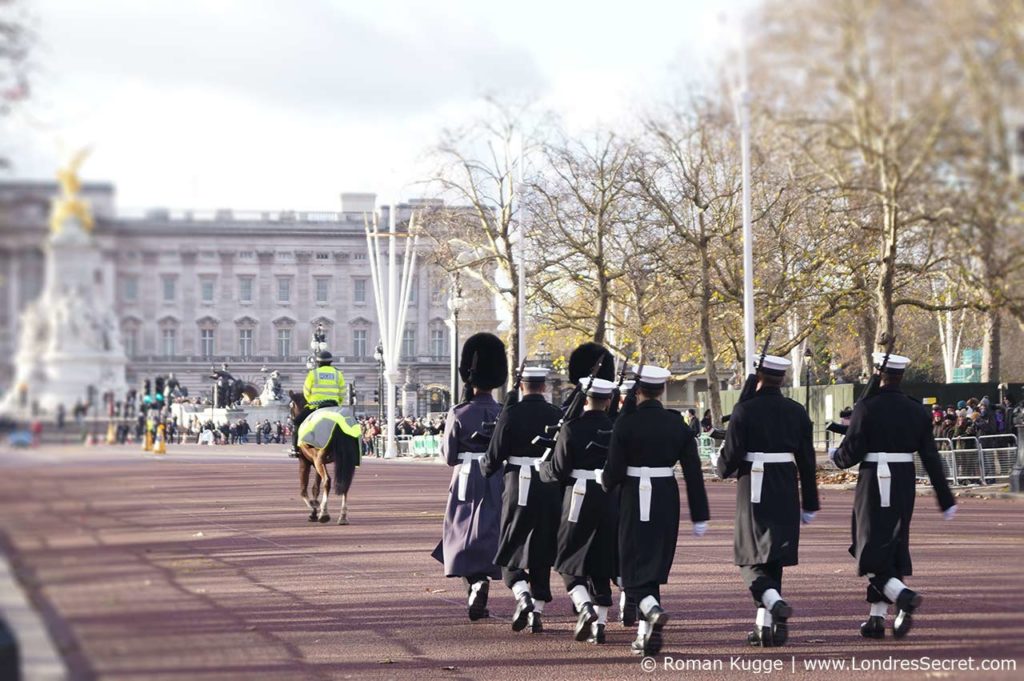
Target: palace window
x: 359, y: 343
x: 206, y: 341
x: 438, y: 343
x: 245, y: 342
x: 284, y: 342
x: 409, y: 343
x: 359, y: 291
x: 322, y: 289
x: 284, y: 289
x: 130, y: 289
x: 245, y: 289
x: 206, y: 289
x: 168, y: 341
x: 170, y: 286
x: 131, y: 341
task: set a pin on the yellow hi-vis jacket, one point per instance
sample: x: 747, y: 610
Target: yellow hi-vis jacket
x: 324, y: 383
x: 318, y: 428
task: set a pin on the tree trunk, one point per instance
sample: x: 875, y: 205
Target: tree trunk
x: 706, y: 342
x: 603, y: 296
x: 886, y: 276
x: 992, y: 349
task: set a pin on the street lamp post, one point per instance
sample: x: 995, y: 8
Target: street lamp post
x: 808, y: 361
x: 378, y: 354
x: 455, y: 303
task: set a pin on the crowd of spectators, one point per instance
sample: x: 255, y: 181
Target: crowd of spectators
x: 974, y: 418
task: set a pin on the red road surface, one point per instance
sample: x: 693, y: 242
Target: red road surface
x: 201, y: 565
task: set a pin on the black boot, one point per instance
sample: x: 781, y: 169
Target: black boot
x: 781, y: 612
x: 536, y: 626
x: 873, y: 628
x: 524, y: 608
x: 656, y: 619
x: 907, y: 602
x: 588, y: 616
x: 596, y: 634
x: 478, y: 606
x: 760, y: 637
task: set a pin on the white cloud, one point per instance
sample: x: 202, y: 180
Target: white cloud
x: 263, y: 104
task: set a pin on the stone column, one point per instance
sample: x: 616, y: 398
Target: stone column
x: 189, y: 302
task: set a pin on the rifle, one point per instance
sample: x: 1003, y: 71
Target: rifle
x: 574, y: 410
x: 870, y: 389
x: 629, y: 404
x: 613, y: 410
x: 486, y: 431
x: 748, y: 390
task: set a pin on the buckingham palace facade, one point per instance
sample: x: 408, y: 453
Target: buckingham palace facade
x: 193, y: 290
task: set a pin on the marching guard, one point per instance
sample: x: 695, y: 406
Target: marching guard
x: 767, y: 444
x: 530, y: 506
x: 645, y: 446
x: 886, y: 429
x: 587, y: 539
x: 471, y: 519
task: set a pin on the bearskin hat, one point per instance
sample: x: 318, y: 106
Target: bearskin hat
x: 583, y: 359
x: 491, y: 362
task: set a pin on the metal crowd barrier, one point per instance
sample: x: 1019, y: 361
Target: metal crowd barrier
x: 975, y: 460
x: 707, y: 447
x: 409, y: 445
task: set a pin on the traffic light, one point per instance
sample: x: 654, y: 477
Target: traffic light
x: 352, y: 393
x: 159, y: 385
x: 376, y: 397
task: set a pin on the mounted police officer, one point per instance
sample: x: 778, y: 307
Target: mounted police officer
x: 886, y: 429
x: 646, y: 444
x: 324, y: 387
x: 530, y: 506
x: 767, y: 444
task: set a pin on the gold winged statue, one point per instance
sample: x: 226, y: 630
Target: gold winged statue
x: 70, y: 204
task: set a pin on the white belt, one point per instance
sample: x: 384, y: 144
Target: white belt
x: 579, y: 490
x: 467, y: 459
x: 759, y: 459
x: 526, y: 465
x: 883, y: 474
x: 645, y: 474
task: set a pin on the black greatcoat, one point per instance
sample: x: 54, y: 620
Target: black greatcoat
x: 588, y: 547
x: 528, y: 533
x: 655, y: 437
x: 769, y: 531
x: 889, y: 422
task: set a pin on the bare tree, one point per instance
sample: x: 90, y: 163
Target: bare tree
x: 478, y: 171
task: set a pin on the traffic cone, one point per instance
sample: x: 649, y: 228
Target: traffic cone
x: 111, y: 433
x: 161, y: 443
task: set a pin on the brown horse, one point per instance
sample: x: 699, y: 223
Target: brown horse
x: 313, y: 458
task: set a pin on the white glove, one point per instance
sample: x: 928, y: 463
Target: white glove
x: 950, y: 512
x: 832, y: 456
x: 807, y: 516
x: 700, y: 528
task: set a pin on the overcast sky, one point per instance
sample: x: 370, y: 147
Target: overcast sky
x: 283, y: 104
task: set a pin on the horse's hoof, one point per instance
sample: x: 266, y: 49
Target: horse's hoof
x: 343, y: 520
x: 325, y: 518
x: 312, y: 517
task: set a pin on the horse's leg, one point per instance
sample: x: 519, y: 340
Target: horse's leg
x: 343, y: 520
x: 304, y: 468
x: 325, y: 484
